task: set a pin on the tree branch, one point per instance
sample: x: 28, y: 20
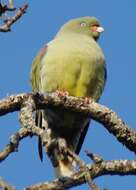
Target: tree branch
x: 14, y: 142
x: 20, y: 12
x: 28, y: 129
x: 116, y: 167
x: 98, y: 112
x: 27, y: 103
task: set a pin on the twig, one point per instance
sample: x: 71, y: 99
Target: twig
x: 14, y: 142
x: 6, y: 27
x: 83, y: 167
x: 28, y: 129
x: 95, y: 157
x: 27, y: 120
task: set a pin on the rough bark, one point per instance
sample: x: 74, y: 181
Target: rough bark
x: 27, y: 103
x: 100, y: 113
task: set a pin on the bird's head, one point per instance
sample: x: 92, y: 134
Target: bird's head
x: 85, y: 25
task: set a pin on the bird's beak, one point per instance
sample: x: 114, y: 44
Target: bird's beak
x: 100, y: 29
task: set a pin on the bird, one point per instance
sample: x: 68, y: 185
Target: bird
x: 72, y: 62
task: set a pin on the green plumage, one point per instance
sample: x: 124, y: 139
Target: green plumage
x: 72, y: 62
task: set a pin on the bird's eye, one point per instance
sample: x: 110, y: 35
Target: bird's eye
x: 83, y: 24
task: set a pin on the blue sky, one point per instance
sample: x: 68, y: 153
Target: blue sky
x: 17, y: 50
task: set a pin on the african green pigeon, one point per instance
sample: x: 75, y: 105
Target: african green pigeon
x: 72, y: 62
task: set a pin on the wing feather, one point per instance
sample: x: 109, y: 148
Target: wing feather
x: 35, y: 80
x: 36, y: 66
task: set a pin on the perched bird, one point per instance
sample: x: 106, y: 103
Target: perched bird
x: 71, y: 62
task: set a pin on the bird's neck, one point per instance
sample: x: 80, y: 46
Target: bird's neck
x: 74, y: 35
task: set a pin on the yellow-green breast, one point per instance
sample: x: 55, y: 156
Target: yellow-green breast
x: 73, y: 63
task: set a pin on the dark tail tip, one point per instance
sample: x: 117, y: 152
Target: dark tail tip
x: 40, y: 150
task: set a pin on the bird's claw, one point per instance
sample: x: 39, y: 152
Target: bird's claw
x: 87, y: 100
x: 61, y: 93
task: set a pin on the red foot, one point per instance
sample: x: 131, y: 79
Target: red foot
x: 62, y: 93
x: 87, y: 100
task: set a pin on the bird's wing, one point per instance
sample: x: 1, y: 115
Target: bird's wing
x: 38, y: 122
x: 82, y: 137
x: 35, y: 80
x: 36, y: 66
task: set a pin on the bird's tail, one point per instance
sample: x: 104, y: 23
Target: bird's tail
x: 63, y: 164
x: 38, y: 121
x: 65, y: 168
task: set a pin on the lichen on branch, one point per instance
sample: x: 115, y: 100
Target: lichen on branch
x: 27, y: 103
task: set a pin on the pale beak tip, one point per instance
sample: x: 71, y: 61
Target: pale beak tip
x: 100, y: 29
